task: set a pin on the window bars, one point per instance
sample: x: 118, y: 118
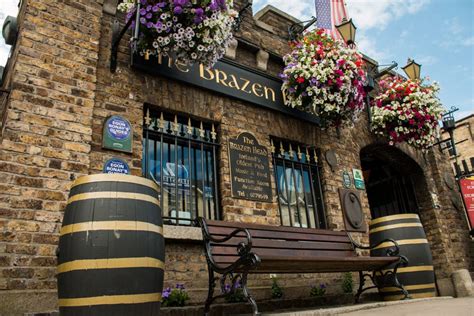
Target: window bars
x: 298, y: 185
x: 180, y: 156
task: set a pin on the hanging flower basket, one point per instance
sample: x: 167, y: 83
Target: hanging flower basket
x: 325, y: 77
x: 192, y: 31
x: 407, y: 111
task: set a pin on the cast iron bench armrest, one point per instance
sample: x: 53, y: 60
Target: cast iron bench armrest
x: 243, y: 248
x: 390, y: 251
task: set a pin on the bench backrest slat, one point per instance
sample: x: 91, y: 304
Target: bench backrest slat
x: 280, y: 241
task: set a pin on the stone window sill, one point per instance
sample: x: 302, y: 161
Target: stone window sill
x: 183, y: 233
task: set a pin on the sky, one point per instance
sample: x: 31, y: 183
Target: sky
x: 439, y: 34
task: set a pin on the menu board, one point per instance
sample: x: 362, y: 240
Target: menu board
x: 249, y: 169
x: 467, y: 190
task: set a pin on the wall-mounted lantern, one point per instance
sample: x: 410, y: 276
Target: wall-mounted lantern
x: 10, y: 30
x: 412, y: 69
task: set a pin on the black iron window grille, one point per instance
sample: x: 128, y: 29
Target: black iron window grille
x: 298, y: 185
x: 179, y: 154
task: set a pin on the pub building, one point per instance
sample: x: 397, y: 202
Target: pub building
x: 220, y: 143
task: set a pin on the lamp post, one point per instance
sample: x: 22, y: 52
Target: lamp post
x: 412, y: 69
x: 347, y: 29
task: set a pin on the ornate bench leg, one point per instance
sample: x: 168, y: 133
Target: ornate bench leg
x: 361, y: 286
x: 247, y: 294
x: 210, y: 293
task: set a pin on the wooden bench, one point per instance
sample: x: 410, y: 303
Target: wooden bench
x: 235, y: 250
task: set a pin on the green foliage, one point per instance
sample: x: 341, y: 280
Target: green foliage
x: 175, y: 297
x: 318, y: 291
x: 277, y: 291
x: 347, y: 282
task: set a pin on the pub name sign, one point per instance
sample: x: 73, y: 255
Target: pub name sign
x: 226, y: 77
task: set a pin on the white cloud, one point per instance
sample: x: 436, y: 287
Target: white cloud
x: 453, y: 26
x: 468, y: 41
x: 8, y: 7
x: 368, y: 14
x: 426, y: 60
x: 368, y: 46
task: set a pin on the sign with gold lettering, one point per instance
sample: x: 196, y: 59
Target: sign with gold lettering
x: 226, y: 77
x: 249, y: 169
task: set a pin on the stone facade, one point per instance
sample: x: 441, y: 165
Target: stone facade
x: 62, y: 91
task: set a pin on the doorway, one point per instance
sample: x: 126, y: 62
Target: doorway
x: 390, y: 177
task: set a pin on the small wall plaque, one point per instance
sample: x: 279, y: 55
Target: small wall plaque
x: 358, y: 179
x: 346, y: 179
x: 249, y: 169
x: 117, y: 134
x: 331, y: 159
x: 354, y: 219
x: 116, y: 165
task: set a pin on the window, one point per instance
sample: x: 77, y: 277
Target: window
x: 180, y: 156
x: 298, y: 185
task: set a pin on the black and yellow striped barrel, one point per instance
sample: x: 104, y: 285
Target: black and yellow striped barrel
x: 407, y: 230
x: 111, y: 247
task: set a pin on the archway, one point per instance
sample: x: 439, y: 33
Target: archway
x: 391, y: 177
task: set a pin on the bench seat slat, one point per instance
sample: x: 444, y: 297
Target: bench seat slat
x: 278, y: 264
x: 288, y: 253
x: 285, y: 244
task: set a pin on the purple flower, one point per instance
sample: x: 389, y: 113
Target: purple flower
x: 180, y: 286
x: 213, y: 6
x: 166, y: 293
x: 155, y: 8
x: 177, y: 10
x: 322, y: 285
x: 161, y: 4
x: 291, y: 90
x: 142, y: 20
x: 148, y: 7
x: 222, y: 4
x: 142, y: 11
x: 199, y: 11
x: 197, y: 19
x: 149, y: 15
x: 149, y: 25
x: 180, y: 2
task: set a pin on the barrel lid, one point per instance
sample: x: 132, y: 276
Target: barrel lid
x: 105, y: 177
x: 393, y: 217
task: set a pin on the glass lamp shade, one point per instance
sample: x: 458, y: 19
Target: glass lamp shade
x: 412, y: 69
x: 347, y: 29
x: 449, y: 123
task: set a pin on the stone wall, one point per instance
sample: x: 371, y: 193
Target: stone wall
x: 63, y: 90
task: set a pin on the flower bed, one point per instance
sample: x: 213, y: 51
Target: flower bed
x: 407, y: 111
x: 324, y: 77
x: 192, y: 31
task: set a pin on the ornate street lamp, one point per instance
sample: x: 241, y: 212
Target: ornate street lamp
x: 412, y: 69
x: 347, y: 29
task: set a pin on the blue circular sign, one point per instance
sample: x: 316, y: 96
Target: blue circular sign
x: 116, y: 165
x: 118, y: 128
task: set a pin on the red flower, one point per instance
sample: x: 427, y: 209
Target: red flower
x: 300, y: 80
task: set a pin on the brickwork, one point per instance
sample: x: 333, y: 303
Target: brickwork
x: 63, y: 90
